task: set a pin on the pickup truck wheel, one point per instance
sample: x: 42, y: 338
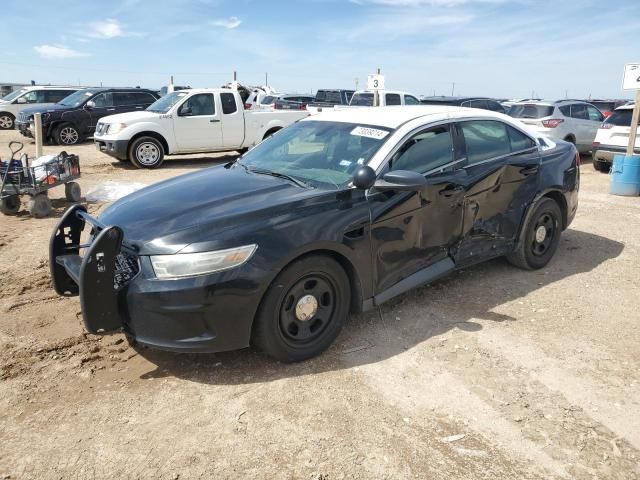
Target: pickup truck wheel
x: 146, y: 152
x: 303, y: 310
x: 6, y: 121
x: 601, y: 166
x: 67, y: 134
x: 10, y: 205
x: 541, y: 237
x: 39, y: 205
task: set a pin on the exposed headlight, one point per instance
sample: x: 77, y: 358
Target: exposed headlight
x: 116, y: 127
x: 192, y: 264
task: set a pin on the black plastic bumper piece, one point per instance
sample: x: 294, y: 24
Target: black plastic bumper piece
x: 92, y: 275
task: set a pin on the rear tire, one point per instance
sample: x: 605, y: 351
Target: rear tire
x: 7, y: 121
x: 303, y: 310
x: 39, y: 206
x: 73, y: 192
x: 67, y: 134
x: 541, y: 237
x: 146, y: 152
x: 10, y: 205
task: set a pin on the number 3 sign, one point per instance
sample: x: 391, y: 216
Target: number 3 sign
x: 375, y: 82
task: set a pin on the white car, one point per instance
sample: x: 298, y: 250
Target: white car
x: 26, y: 97
x: 364, y: 98
x: 257, y: 95
x: 613, y: 138
x: 570, y: 120
x: 188, y: 121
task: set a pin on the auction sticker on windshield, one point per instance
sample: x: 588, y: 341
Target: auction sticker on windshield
x: 369, y: 132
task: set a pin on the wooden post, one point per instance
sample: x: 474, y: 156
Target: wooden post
x: 376, y: 93
x: 634, y: 125
x: 37, y: 126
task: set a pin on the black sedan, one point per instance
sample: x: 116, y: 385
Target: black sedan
x: 334, y: 214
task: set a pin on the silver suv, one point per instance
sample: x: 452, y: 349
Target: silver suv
x: 26, y: 97
x: 570, y: 120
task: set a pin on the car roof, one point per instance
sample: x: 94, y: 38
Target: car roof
x: 394, y: 116
x: 385, y: 92
x: 444, y: 98
x: 45, y: 87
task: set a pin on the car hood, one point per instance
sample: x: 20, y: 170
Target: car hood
x: 130, y: 117
x: 195, y: 210
x: 54, y: 107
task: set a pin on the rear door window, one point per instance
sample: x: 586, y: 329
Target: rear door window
x: 363, y: 99
x: 485, y: 139
x: 122, y: 99
x: 579, y: 111
x: 519, y: 141
x: 594, y: 114
x: 392, y: 99
x: 228, y: 101
x: 54, y: 96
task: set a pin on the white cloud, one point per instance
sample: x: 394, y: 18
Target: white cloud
x: 228, y: 23
x: 108, y: 28
x: 58, y: 51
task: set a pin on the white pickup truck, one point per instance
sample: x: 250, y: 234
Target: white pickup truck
x: 188, y: 121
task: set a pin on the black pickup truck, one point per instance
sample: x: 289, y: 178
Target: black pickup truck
x: 329, y: 99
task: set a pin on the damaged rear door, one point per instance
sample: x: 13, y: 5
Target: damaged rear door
x: 502, y: 168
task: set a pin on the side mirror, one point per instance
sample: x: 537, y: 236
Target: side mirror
x: 90, y: 105
x: 364, y: 177
x: 21, y: 100
x: 405, y: 180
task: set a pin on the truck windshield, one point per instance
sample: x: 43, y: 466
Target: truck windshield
x: 13, y: 95
x: 76, y: 99
x: 362, y: 99
x: 164, y: 104
x: 323, y: 154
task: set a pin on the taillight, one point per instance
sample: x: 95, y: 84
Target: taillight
x: 552, y: 123
x: 303, y: 106
x: 606, y: 126
x: 247, y: 106
x: 578, y: 160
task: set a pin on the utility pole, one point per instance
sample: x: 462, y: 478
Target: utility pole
x: 266, y: 79
x: 356, y: 80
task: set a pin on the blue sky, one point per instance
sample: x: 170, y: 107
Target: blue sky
x: 501, y: 48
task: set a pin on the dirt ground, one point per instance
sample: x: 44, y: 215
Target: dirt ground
x: 493, y: 373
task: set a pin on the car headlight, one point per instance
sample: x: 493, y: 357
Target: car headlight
x: 116, y: 127
x: 183, y: 265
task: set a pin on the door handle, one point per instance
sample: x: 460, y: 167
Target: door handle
x: 451, y: 191
x: 529, y: 170
x: 214, y: 120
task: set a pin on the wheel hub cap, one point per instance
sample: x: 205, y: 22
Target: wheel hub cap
x: 306, y: 308
x: 541, y: 234
x: 69, y: 135
x: 147, y: 153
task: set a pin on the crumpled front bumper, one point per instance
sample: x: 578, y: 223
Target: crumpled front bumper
x: 118, y: 291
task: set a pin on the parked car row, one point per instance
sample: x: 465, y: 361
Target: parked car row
x: 15, y: 102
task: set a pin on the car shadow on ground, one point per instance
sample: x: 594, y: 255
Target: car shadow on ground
x: 403, y: 323
x: 178, y: 162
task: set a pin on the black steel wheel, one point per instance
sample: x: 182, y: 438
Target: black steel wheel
x: 10, y: 205
x: 303, y: 310
x: 39, y: 205
x: 541, y: 236
x: 73, y: 192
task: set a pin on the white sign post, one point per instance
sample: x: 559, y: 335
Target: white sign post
x: 375, y: 82
x: 631, y: 81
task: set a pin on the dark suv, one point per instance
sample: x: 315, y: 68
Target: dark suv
x: 75, y: 117
x: 471, y: 102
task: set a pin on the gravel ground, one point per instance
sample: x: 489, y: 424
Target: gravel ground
x: 493, y: 373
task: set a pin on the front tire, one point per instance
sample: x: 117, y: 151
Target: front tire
x: 146, y: 152
x: 67, y: 134
x: 303, y: 310
x: 541, y: 237
x: 7, y: 121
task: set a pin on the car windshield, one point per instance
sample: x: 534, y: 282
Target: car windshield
x: 621, y: 118
x: 362, y: 99
x: 76, y: 99
x: 531, y: 111
x: 13, y: 95
x: 164, y: 104
x: 323, y: 154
